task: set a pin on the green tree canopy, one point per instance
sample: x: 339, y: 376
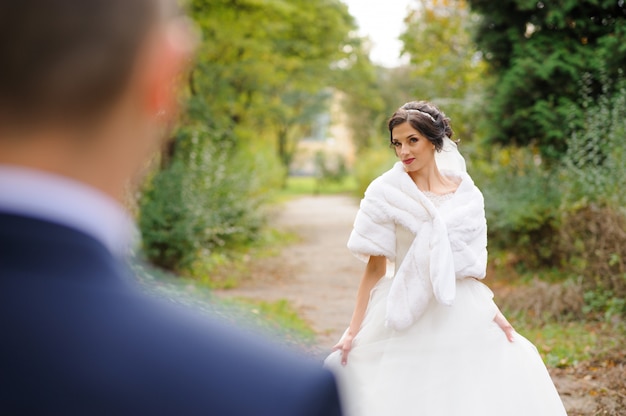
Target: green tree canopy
x: 363, y: 102
x: 262, y: 70
x: 540, y: 51
x: 446, y: 67
x: 263, y: 63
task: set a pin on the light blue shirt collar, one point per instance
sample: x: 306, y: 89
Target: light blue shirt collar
x: 65, y: 201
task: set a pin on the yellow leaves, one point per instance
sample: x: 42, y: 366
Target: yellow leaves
x: 439, y: 42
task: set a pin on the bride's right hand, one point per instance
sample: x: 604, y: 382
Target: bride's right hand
x: 345, y: 346
x: 505, y: 326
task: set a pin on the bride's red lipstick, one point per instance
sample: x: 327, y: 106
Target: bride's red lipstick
x: 408, y: 161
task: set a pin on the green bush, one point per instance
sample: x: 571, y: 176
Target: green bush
x: 571, y: 215
x: 593, y: 169
x: 593, y: 214
x: 522, y: 206
x: 200, y: 203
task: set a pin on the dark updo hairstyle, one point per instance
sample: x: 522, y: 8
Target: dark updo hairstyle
x: 424, y: 117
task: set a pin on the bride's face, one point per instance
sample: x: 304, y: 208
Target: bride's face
x: 412, y: 148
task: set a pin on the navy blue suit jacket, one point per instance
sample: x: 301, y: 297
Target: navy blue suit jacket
x: 76, y: 338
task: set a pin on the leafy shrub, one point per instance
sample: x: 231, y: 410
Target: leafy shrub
x: 201, y: 202
x: 521, y: 202
x: 593, y: 215
x: 593, y: 168
x: 570, y: 216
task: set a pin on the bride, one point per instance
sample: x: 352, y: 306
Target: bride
x: 426, y: 337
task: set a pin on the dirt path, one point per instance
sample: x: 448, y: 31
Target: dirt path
x: 319, y: 277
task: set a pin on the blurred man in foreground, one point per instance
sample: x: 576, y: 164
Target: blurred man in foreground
x: 82, y: 85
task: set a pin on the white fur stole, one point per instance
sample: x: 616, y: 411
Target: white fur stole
x: 450, y: 241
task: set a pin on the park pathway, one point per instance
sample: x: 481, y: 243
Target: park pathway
x: 319, y: 277
x: 317, y: 274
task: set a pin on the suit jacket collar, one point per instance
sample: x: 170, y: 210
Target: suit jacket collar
x: 64, y: 201
x: 33, y: 250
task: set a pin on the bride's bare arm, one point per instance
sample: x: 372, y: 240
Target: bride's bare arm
x: 375, y: 269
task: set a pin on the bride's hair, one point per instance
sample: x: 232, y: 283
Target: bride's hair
x: 424, y: 117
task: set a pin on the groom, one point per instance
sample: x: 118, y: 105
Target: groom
x: 82, y: 83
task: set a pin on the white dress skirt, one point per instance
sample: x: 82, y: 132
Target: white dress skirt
x: 453, y: 361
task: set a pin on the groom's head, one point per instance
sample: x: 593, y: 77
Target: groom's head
x: 67, y: 59
x: 74, y: 73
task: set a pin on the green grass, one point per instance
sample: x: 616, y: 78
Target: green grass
x: 279, y: 316
x: 226, y: 269
x: 307, y: 185
x: 277, y: 319
x: 564, y: 344
x: 562, y: 331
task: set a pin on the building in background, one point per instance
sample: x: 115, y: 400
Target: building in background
x: 329, y: 145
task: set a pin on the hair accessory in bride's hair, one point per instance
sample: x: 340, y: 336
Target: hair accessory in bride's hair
x: 421, y: 112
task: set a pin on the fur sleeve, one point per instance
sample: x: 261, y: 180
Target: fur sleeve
x: 374, y: 232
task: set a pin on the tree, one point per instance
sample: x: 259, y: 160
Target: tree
x: 539, y: 52
x: 261, y: 68
x: 263, y: 64
x: 297, y: 109
x: 362, y: 101
x: 445, y: 65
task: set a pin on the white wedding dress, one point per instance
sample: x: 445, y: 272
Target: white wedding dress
x: 454, y: 360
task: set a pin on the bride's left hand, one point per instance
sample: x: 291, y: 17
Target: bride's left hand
x: 508, y: 329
